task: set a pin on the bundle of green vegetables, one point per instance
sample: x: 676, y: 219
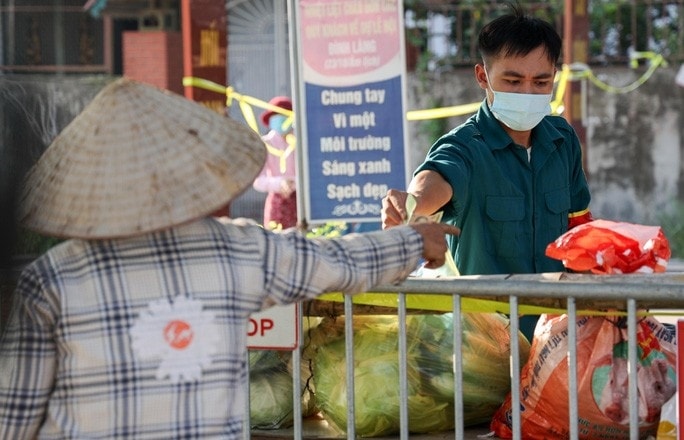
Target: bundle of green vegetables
x: 270, y: 390
x: 486, y: 380
x: 271, y: 402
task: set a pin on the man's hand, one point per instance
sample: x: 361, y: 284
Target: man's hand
x: 430, y: 191
x: 434, y: 241
x: 394, y: 208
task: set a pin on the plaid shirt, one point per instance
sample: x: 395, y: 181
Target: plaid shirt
x: 145, y: 337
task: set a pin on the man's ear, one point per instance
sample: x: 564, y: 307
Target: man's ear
x: 481, y: 76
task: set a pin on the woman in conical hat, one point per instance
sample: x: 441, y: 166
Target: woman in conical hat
x: 138, y: 160
x: 135, y: 326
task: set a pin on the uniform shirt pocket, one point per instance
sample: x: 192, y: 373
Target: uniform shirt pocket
x: 555, y: 218
x: 558, y: 206
x: 558, y: 200
x: 505, y: 215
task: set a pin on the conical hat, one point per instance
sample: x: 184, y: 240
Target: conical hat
x: 138, y: 159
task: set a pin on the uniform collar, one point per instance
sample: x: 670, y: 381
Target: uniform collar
x: 545, y: 135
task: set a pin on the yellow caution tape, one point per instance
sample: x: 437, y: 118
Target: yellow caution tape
x: 573, y: 72
x: 444, y: 303
x: 203, y: 84
x: 248, y: 114
x: 436, y: 303
x: 245, y: 102
x: 655, y: 60
x: 562, y: 78
x: 444, y: 112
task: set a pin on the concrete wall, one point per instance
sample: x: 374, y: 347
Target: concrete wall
x: 635, y: 141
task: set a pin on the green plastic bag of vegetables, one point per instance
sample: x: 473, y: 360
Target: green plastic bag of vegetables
x: 270, y: 390
x: 486, y: 381
x: 270, y: 385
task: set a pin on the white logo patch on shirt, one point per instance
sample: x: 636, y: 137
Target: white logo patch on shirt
x: 178, y: 334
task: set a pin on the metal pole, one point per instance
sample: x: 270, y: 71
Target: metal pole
x: 349, y: 359
x: 632, y: 370
x: 576, y: 50
x: 403, y: 369
x: 297, y: 98
x: 459, y: 422
x: 297, y: 376
x: 515, y: 370
x: 572, y: 370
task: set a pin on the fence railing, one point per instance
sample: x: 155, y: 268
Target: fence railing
x: 575, y: 294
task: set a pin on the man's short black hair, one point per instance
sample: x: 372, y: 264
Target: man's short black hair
x: 517, y: 34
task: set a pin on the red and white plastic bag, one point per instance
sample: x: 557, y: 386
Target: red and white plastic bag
x: 608, y: 247
x: 602, y: 379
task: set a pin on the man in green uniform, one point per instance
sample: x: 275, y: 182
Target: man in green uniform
x: 511, y: 176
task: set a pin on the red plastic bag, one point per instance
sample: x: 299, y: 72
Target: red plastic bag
x: 605, y: 247
x: 602, y: 380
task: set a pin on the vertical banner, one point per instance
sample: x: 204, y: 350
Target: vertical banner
x: 352, y: 76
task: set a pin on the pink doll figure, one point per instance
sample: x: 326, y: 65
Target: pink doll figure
x: 277, y: 178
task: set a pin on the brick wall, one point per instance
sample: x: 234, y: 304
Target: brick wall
x: 154, y: 57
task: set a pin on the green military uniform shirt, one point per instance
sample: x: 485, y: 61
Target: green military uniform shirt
x: 509, y: 208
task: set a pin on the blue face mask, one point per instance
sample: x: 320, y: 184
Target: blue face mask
x: 520, y: 111
x: 278, y: 124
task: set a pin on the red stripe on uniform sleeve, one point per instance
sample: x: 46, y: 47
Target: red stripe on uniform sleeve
x: 579, y: 218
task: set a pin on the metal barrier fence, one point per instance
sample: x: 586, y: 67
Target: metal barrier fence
x: 574, y: 293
